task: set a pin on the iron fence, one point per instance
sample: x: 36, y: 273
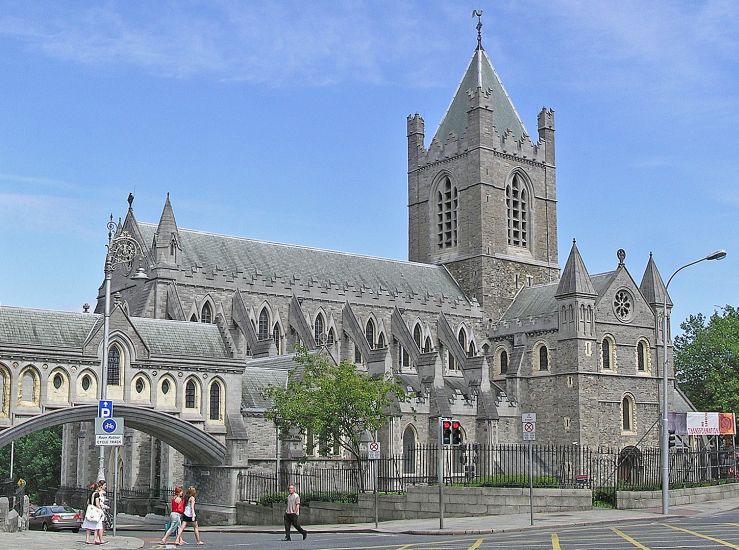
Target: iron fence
x: 562, y: 466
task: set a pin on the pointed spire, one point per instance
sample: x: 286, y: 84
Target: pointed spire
x: 478, y: 14
x: 480, y: 74
x: 167, y: 224
x: 575, y: 278
x: 652, y: 287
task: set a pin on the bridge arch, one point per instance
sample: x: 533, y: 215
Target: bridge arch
x: 195, y: 444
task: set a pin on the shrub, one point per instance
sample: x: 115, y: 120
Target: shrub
x: 515, y: 481
x: 307, y: 498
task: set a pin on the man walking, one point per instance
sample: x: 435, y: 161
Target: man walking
x: 292, y: 513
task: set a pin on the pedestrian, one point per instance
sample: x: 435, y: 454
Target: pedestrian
x: 175, y: 516
x: 292, y: 513
x: 94, y: 515
x: 189, y: 516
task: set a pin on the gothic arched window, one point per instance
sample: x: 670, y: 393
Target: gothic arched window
x: 608, y: 353
x: 427, y: 347
x: 369, y: 333
x: 503, y: 362
x: 381, y: 341
x: 206, y: 315
x: 318, y: 328
x: 641, y: 356
x: 446, y: 214
x: 417, y: 336
x: 331, y: 336
x: 543, y: 358
x: 263, y: 331
x: 215, y: 401
x: 114, y: 366
x: 194, y: 318
x: 409, y: 450
x: 517, y: 207
x: 628, y: 414
x: 190, y: 393
x: 276, y: 336
x: 404, y: 359
x: 462, y: 337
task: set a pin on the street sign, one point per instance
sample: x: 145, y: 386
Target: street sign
x: 528, y: 417
x: 529, y: 436
x: 529, y: 426
x: 105, y: 409
x: 373, y: 450
x: 109, y: 432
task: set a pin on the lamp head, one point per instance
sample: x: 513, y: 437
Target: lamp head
x: 140, y: 275
x: 718, y: 255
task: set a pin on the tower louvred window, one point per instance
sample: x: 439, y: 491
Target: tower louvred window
x: 517, y: 206
x: 447, y: 201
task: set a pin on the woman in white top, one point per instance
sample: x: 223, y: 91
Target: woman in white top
x: 189, y: 517
x: 96, y: 526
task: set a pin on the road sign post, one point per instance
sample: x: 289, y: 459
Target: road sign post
x: 373, y: 454
x: 528, y: 421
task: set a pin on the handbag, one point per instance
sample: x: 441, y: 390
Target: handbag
x: 93, y: 513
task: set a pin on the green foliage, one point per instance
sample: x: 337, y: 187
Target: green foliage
x: 37, y: 460
x: 515, y: 481
x: 332, y: 402
x: 604, y: 497
x: 307, y: 498
x: 707, y: 360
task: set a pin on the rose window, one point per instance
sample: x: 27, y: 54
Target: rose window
x: 622, y: 305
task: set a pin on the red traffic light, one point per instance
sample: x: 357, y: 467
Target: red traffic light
x: 456, y: 425
x: 446, y: 424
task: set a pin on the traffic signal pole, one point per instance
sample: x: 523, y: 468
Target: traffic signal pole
x: 440, y: 469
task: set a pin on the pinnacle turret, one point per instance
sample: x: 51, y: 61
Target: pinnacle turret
x: 575, y: 278
x: 167, y: 237
x: 652, y: 287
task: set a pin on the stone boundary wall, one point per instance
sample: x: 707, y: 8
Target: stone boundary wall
x: 423, y: 502
x: 637, y: 500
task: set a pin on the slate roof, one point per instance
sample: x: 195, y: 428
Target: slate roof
x: 259, y: 375
x: 181, y: 338
x: 62, y: 329
x: 200, y: 249
x: 43, y: 328
x: 480, y: 72
x: 534, y: 301
x: 575, y: 278
x: 652, y: 286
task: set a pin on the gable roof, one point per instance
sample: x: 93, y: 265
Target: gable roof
x: 534, y: 301
x: 652, y: 287
x: 480, y: 74
x: 232, y: 254
x: 182, y: 338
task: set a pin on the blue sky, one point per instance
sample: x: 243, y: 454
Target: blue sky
x: 286, y: 122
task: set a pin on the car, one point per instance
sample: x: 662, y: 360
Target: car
x: 55, y: 518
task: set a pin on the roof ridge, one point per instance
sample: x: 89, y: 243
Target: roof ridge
x: 301, y: 246
x: 46, y: 310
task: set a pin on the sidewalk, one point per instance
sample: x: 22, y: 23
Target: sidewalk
x: 467, y: 525
x: 38, y: 540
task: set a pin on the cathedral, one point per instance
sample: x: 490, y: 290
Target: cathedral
x: 480, y: 324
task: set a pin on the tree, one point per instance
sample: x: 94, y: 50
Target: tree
x: 707, y: 360
x: 37, y: 460
x: 332, y: 402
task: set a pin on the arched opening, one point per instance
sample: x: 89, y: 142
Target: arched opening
x: 462, y: 337
x: 503, y: 361
x: 642, y: 356
x: 628, y: 414
x: 58, y: 387
x: 29, y: 394
x: 277, y: 337
x: 607, y: 352
x: 427, y: 346
x: 446, y: 214
x: 191, y: 395
x: 381, y: 340
x: 4, y: 391
x: 517, y: 209
x: 331, y: 336
x: 543, y: 357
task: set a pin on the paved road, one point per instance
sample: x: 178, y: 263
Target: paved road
x: 706, y: 532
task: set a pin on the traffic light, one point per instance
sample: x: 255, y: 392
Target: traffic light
x: 456, y: 432
x: 446, y: 431
x: 671, y: 438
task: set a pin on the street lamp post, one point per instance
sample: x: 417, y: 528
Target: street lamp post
x: 664, y: 442
x: 122, y: 249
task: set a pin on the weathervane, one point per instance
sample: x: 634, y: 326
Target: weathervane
x: 478, y: 14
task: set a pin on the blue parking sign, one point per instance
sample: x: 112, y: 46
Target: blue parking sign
x: 105, y: 409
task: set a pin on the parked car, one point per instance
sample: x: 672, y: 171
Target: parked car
x: 55, y: 518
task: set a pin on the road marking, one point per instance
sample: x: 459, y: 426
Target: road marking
x: 701, y: 535
x: 476, y: 545
x: 555, y: 541
x: 630, y: 539
x: 407, y: 545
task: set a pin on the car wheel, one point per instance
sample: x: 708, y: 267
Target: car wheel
x: 44, y: 527
x: 75, y: 530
